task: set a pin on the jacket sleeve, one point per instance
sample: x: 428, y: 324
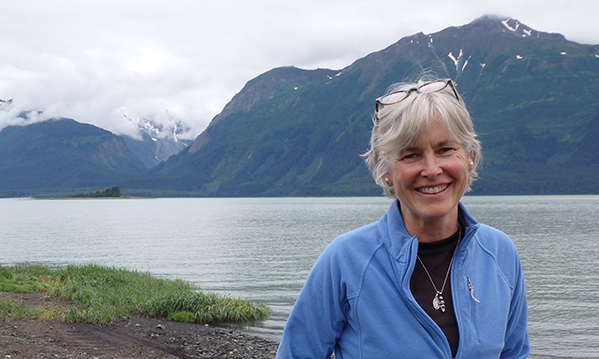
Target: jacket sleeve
x: 318, y: 316
x: 516, y: 337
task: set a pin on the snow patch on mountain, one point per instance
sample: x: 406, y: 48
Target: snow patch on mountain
x: 516, y: 27
x: 157, y: 141
x: 507, y: 25
x: 459, y: 62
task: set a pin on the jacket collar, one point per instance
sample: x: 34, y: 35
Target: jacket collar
x: 401, y: 244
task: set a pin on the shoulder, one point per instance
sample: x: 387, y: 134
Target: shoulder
x: 501, y: 249
x: 357, y: 244
x: 351, y: 254
x: 494, y: 240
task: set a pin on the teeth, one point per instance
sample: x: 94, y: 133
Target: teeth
x: 433, y: 190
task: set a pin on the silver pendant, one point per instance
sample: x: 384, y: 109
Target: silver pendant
x: 438, y: 302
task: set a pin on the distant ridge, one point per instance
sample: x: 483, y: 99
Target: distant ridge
x: 62, y: 154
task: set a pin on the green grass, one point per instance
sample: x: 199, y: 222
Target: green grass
x: 9, y: 309
x: 103, y: 294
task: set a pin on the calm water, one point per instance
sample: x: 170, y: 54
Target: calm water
x: 263, y: 248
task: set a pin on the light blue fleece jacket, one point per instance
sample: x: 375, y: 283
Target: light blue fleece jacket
x: 357, y: 299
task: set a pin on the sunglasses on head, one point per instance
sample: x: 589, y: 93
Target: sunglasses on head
x: 398, y: 96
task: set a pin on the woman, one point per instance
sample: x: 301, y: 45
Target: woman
x: 426, y: 280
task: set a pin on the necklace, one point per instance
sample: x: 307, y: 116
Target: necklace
x: 438, y: 302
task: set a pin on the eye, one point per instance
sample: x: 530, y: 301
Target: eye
x: 446, y: 150
x: 408, y: 157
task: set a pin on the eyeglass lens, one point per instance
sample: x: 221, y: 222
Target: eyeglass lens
x: 396, y: 97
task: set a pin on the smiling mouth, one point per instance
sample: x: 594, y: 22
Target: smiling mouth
x: 433, y: 190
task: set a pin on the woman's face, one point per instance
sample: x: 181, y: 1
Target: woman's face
x: 430, y: 177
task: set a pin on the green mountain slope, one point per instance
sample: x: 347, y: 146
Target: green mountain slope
x: 62, y: 155
x: 532, y: 96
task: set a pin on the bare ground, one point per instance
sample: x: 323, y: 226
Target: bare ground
x: 134, y: 337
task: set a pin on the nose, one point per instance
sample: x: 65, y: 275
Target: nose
x: 431, y: 166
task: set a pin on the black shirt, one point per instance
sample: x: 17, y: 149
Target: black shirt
x: 436, y: 256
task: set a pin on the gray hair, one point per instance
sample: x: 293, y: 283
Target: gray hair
x: 398, y: 126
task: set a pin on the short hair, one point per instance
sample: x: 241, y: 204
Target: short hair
x: 397, y: 126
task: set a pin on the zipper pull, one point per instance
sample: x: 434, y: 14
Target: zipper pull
x: 471, y: 287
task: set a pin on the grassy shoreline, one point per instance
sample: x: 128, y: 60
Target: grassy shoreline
x: 88, y: 198
x: 103, y: 294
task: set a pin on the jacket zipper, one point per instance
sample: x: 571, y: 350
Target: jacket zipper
x: 471, y: 287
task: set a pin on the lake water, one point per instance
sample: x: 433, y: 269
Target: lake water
x: 263, y: 248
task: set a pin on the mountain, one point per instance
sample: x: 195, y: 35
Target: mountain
x: 291, y: 132
x: 158, y: 141
x: 62, y: 155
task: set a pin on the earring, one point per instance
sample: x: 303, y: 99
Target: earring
x: 471, y: 163
x: 387, y: 181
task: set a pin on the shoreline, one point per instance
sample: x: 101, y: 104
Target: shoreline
x: 82, y: 198
x: 129, y: 337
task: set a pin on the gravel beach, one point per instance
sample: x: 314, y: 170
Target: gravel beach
x: 137, y: 336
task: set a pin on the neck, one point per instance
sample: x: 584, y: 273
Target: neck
x: 431, y: 230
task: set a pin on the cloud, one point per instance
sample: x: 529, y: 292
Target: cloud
x: 95, y: 61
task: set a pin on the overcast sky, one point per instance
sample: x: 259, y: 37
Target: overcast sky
x: 95, y: 61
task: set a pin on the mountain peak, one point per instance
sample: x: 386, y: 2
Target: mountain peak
x: 263, y: 88
x: 267, y: 85
x: 510, y: 25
